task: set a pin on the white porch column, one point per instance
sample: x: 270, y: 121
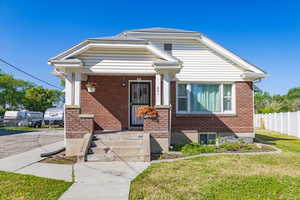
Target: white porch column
x: 77, y: 88
x: 157, y: 89
x: 72, y: 88
x: 68, y: 89
x: 166, y: 92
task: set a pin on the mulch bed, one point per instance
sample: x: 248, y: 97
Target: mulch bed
x: 176, y: 154
x: 60, y: 158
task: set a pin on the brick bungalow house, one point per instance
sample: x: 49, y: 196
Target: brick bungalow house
x: 199, y: 89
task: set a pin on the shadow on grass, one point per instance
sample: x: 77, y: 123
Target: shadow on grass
x: 268, y: 138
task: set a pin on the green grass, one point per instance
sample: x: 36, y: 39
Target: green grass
x: 18, y: 128
x: 284, y: 142
x: 236, y: 177
x: 22, y: 187
x: 25, y: 128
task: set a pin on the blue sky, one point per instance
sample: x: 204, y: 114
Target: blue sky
x: 266, y: 33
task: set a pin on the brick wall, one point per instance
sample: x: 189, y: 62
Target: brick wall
x: 109, y: 103
x: 76, y: 126
x: 158, y: 127
x: 242, y: 122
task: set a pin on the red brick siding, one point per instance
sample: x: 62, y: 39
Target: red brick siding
x: 76, y: 127
x: 242, y: 122
x: 158, y: 127
x: 109, y: 103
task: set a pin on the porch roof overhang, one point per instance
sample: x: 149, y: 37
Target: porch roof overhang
x: 253, y: 75
x: 67, y: 60
x: 111, y: 43
x: 163, y: 67
x: 68, y: 63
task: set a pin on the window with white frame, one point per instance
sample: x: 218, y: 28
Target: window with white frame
x: 204, y: 98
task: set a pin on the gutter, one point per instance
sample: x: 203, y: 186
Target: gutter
x: 253, y: 75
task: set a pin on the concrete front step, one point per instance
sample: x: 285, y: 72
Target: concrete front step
x: 115, y: 157
x: 118, y: 143
x: 118, y: 150
x: 120, y: 146
x: 123, y: 136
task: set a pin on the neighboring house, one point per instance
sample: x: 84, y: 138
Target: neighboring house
x: 200, y: 89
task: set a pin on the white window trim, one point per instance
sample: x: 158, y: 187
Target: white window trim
x: 188, y: 112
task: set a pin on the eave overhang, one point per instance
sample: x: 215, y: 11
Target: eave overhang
x: 253, y: 76
x: 68, y: 63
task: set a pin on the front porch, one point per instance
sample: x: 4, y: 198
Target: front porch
x: 112, y: 107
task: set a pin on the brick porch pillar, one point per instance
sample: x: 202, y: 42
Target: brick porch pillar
x: 76, y: 126
x: 159, y: 129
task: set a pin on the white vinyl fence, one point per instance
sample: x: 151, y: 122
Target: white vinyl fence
x: 286, y: 123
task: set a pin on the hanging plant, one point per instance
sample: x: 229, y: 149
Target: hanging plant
x: 146, y: 112
x: 91, y: 87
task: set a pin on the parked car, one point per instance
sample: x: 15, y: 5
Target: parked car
x: 35, y: 119
x: 16, y: 118
x: 1, y: 121
x: 54, y: 116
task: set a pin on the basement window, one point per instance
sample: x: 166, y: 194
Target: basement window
x: 168, y: 48
x: 208, y: 138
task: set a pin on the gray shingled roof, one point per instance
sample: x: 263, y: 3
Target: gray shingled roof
x: 162, y: 30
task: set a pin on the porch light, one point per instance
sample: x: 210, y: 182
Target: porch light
x: 123, y: 82
x: 91, y: 87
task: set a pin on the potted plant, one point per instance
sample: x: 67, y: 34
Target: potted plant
x: 146, y: 112
x: 91, y: 87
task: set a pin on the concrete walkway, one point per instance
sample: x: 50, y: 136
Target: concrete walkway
x: 28, y: 163
x: 103, y: 180
x: 93, y: 180
x: 22, y: 160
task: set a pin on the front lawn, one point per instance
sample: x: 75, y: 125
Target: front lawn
x: 18, y: 128
x: 27, y: 129
x: 243, y: 177
x: 17, y: 186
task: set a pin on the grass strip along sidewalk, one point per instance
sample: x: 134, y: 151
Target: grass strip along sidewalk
x: 19, y: 186
x: 245, y: 177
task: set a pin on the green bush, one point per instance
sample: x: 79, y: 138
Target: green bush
x: 231, y: 146
x: 196, y: 148
x: 235, y: 146
x: 2, y: 111
x: 176, y: 147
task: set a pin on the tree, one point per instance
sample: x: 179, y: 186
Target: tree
x: 293, y: 93
x: 12, y: 91
x: 39, y: 99
x: 265, y: 103
x: 261, y: 100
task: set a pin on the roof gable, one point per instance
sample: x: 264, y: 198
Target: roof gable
x: 139, y: 38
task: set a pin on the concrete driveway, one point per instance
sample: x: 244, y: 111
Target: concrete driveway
x: 15, y: 142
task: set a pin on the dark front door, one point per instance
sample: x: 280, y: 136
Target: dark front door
x: 139, y: 96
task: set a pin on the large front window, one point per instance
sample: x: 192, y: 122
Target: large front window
x: 204, y: 98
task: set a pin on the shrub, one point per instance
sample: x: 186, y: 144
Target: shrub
x: 236, y: 146
x: 175, y: 147
x: 195, y: 148
x: 2, y: 111
x: 231, y: 146
x: 262, y: 123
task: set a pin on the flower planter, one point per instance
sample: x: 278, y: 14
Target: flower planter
x: 150, y: 116
x: 91, y: 89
